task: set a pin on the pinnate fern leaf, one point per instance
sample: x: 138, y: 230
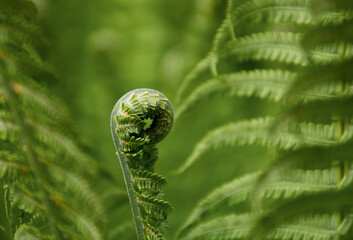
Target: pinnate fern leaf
x: 289, y: 184
x: 271, y: 46
x: 47, y: 176
x: 269, y: 84
x: 257, y: 131
x: 330, y: 202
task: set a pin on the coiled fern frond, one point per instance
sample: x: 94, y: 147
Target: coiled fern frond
x: 139, y: 120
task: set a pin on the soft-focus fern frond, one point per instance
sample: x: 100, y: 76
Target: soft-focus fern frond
x: 65, y: 146
x: 330, y: 202
x: 238, y: 190
x: 21, y: 61
x: 294, y: 11
x: 222, y: 228
x: 329, y: 34
x: 278, y: 45
x: 205, y: 64
x: 272, y: 12
x: 341, y: 72
x: 324, y: 5
x: 257, y: 131
x: 30, y: 233
x: 289, y: 184
x: 330, y: 53
x: 37, y: 97
x: 47, y: 176
x: 271, y: 46
x: 269, y: 84
x: 241, y: 133
x: 319, y: 155
x: 14, y: 27
x: 312, y: 41
x: 323, y: 111
x: 313, y: 226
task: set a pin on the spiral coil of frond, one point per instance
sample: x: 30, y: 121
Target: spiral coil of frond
x: 139, y: 120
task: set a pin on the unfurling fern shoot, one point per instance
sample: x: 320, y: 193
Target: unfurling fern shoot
x: 139, y: 120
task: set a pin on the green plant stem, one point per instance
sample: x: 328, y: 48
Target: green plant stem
x: 27, y: 140
x: 128, y: 182
x: 132, y: 197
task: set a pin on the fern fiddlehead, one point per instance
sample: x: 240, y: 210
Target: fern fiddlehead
x: 139, y: 120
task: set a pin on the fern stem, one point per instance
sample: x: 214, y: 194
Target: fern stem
x: 132, y: 196
x: 26, y: 138
x: 229, y: 18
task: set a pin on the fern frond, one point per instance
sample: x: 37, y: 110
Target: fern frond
x: 11, y: 166
x: 28, y: 9
x: 29, y: 201
x: 329, y: 34
x: 323, y: 111
x: 291, y: 183
x: 154, y: 207
x: 77, y: 190
x: 33, y: 96
x: 64, y: 145
x: 148, y: 181
x: 152, y: 233
x: 330, y: 53
x: 269, y: 84
x: 29, y: 233
x: 84, y: 224
x: 238, y: 190
x: 241, y: 133
x: 135, y: 145
x: 315, y: 226
x: 200, y: 67
x: 319, y: 154
x: 316, y: 130
x: 226, y: 227
x: 341, y: 72
x: 121, y: 230
x: 41, y: 167
x: 19, y: 60
x: 325, y: 5
x: 283, y: 47
x: 205, y: 64
x: 257, y: 131
x: 27, y: 198
x: 9, y: 131
x: 312, y: 226
x: 271, y: 11
x: 16, y: 28
x: 330, y: 201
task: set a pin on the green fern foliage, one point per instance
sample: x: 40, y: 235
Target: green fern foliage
x: 269, y: 84
x: 318, y: 226
x: 258, y: 131
x: 139, y: 120
x: 329, y: 111
x: 289, y: 184
x: 297, y: 53
x: 47, y: 177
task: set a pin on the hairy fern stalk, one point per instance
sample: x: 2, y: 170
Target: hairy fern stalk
x: 45, y: 175
x: 139, y: 120
x: 297, y: 54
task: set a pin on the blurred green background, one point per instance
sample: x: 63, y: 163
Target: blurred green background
x: 103, y: 49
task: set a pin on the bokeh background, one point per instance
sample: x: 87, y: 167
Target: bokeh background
x: 103, y: 49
